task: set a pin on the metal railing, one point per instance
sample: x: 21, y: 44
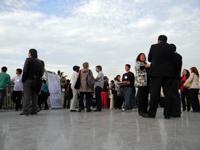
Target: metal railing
x: 8, y: 104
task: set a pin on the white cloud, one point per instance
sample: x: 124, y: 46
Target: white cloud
x: 106, y: 32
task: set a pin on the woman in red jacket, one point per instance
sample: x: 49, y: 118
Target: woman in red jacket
x: 184, y: 91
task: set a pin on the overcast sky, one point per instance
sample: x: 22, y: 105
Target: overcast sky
x: 110, y: 33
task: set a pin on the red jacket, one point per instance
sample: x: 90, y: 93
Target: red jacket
x: 183, y: 79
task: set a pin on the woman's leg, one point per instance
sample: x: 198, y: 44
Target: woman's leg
x: 88, y: 101
x: 81, y: 98
x: 194, y: 99
x: 74, y: 100
x: 183, y: 97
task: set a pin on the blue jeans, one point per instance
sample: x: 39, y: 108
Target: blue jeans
x: 129, y: 97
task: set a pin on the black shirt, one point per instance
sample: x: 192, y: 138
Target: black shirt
x: 129, y: 76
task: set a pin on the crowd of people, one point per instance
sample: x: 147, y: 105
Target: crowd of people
x: 141, y: 91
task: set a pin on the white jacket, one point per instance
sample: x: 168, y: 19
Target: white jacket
x: 74, y: 78
x: 194, y: 80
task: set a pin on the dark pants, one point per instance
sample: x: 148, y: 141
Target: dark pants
x: 88, y: 98
x: 42, y: 99
x: 66, y: 103
x: 194, y: 99
x: 185, y: 100
x: 142, y: 97
x: 30, y: 95
x: 2, y: 96
x: 98, y: 91
x: 120, y: 101
x: 17, y: 97
x: 175, y: 108
x: 155, y: 88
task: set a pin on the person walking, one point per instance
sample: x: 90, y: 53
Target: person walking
x: 32, y: 73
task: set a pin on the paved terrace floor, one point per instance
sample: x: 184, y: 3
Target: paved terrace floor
x: 116, y: 130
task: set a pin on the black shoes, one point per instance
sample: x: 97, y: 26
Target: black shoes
x: 88, y: 110
x: 24, y: 114
x: 97, y: 110
x: 73, y: 110
x: 145, y: 115
x: 27, y: 114
x: 167, y: 117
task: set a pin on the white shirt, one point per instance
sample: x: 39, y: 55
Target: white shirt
x: 194, y: 80
x: 73, y: 79
x: 18, y: 85
x: 100, y: 81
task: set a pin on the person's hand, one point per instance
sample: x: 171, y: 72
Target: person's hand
x: 128, y: 82
x: 147, y: 65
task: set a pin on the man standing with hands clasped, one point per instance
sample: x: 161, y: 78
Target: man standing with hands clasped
x: 162, y: 74
x: 127, y: 84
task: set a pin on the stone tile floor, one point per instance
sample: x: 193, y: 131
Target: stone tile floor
x: 115, y: 130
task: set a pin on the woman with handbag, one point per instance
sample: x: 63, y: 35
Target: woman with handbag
x: 86, y: 87
x: 192, y: 83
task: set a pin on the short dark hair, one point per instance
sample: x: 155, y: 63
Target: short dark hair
x: 128, y: 65
x: 162, y: 38
x: 76, y: 68
x: 99, y: 67
x: 19, y: 70
x: 33, y: 53
x: 173, y: 46
x: 4, y: 69
x: 116, y: 78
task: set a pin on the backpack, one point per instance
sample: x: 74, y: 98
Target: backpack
x: 78, y: 82
x: 90, y: 80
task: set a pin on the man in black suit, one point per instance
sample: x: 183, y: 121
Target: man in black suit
x: 176, y: 102
x: 162, y: 74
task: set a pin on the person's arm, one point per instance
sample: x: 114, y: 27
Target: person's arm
x: 73, y: 79
x: 137, y: 66
x: 92, y: 74
x: 147, y: 66
x: 8, y: 80
x: 150, y: 54
x: 25, y: 70
x: 189, y: 80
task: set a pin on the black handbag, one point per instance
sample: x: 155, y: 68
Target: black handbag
x: 78, y: 82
